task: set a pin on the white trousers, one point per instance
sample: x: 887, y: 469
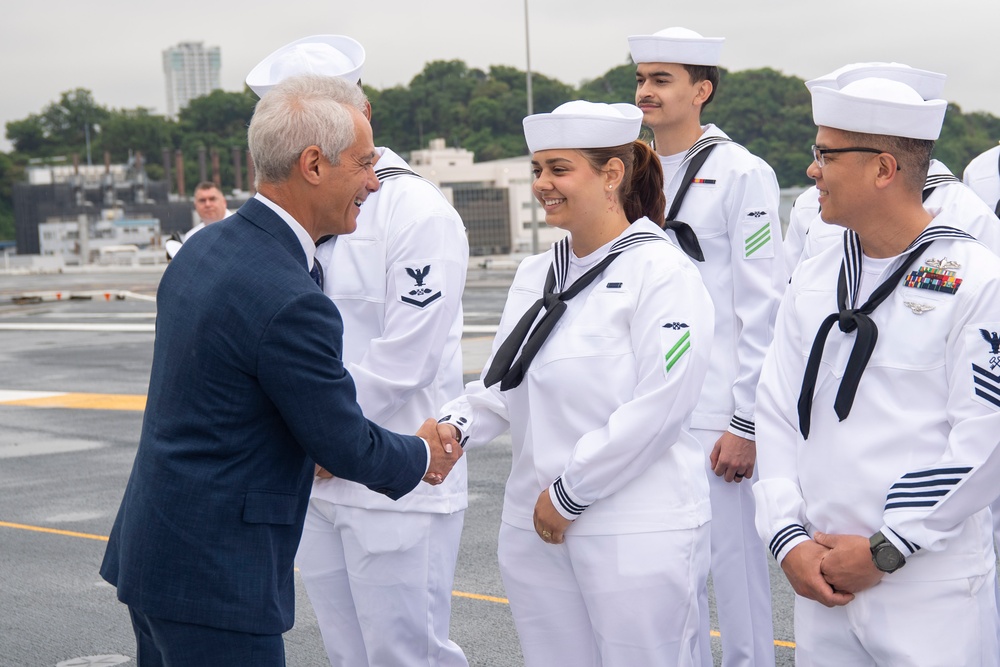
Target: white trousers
x: 606, y: 600
x: 902, y: 624
x: 380, y: 583
x: 739, y: 573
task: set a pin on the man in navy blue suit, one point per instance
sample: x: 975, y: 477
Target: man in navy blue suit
x: 247, y: 392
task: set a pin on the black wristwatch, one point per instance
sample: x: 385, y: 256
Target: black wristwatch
x: 885, y: 555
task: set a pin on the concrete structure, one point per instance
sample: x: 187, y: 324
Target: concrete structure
x: 107, y: 197
x: 106, y: 240
x: 467, y: 182
x: 191, y: 70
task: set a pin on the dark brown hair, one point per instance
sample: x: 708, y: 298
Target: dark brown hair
x: 913, y: 156
x: 641, y: 193
x: 708, y: 73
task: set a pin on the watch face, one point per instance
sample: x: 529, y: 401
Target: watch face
x: 887, y: 558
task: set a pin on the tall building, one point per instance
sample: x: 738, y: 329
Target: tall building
x: 191, y: 70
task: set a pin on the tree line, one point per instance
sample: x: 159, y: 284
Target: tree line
x: 480, y: 110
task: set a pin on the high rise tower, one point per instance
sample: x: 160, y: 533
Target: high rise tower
x: 191, y: 70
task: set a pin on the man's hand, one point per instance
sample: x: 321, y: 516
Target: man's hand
x: 848, y: 566
x: 549, y: 524
x: 323, y: 473
x: 444, y: 453
x: 802, y: 567
x: 733, y: 457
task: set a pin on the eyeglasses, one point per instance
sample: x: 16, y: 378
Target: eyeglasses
x: 819, y: 154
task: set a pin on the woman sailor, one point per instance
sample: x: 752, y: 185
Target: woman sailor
x: 597, y: 364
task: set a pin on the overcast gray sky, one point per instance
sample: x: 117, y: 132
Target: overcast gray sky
x: 114, y: 48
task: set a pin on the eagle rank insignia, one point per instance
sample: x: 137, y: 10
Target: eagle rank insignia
x: 415, y: 286
x: 985, y: 362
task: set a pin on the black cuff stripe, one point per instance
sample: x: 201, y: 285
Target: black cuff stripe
x: 744, y: 425
x: 784, y: 536
x: 567, y: 503
x: 912, y: 547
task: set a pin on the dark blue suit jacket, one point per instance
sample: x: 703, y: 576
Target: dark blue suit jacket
x: 247, y: 390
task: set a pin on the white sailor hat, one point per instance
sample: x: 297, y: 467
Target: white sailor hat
x: 878, y: 106
x: 329, y: 55
x: 581, y: 124
x: 676, y: 45
x: 929, y: 84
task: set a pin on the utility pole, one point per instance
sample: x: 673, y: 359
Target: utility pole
x: 531, y: 110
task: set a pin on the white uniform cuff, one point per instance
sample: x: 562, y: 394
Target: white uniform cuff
x: 743, y: 427
x: 568, y: 505
x: 787, y: 539
x: 905, y: 548
x: 460, y: 423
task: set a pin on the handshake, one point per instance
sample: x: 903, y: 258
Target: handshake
x: 445, y: 450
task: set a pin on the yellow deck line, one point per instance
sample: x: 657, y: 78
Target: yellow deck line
x: 458, y: 594
x: 84, y: 402
x: 476, y: 596
x: 52, y: 531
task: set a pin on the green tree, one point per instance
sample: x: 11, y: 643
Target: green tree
x: 11, y: 171
x: 440, y: 96
x: 129, y: 130
x: 61, y: 128
x: 392, y: 118
x: 769, y: 113
x: 964, y: 136
x: 615, y: 85
x: 28, y: 135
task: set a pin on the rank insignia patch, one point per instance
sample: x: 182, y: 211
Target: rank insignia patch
x: 675, y: 339
x: 937, y: 275
x: 983, y: 345
x: 757, y: 240
x: 415, y: 286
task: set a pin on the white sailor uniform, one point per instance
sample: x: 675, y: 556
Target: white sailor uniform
x: 943, y: 192
x: 174, y: 244
x: 600, y: 419
x: 915, y: 457
x: 983, y: 176
x: 379, y: 573
x: 732, y: 206
x: 800, y: 234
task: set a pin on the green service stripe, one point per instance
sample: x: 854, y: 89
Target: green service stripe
x: 683, y: 339
x: 760, y: 244
x: 677, y: 357
x: 753, y: 237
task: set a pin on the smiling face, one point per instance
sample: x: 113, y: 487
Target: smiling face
x: 841, y: 181
x: 667, y: 96
x: 348, y: 184
x: 569, y: 190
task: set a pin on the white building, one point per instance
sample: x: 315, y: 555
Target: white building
x: 105, y: 236
x: 191, y: 70
x: 454, y: 171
